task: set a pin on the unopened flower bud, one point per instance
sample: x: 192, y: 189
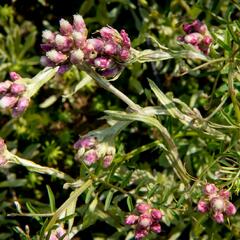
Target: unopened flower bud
x: 144, y: 220
x: 230, y: 209
x: 125, y: 39
x: 8, y: 101
x: 79, y: 39
x: 156, y: 214
x: 21, y: 106
x: 107, y: 160
x: 48, y: 36
x: 3, y: 160
x: 90, y: 157
x: 202, y: 206
x: 193, y: 38
x: 78, y: 23
x: 17, y: 88
x: 14, y: 76
x: 199, y: 27
x: 218, y: 217
x: 131, y: 219
x: 124, y: 54
x: 85, y: 142
x: 141, y: 233
x: 210, y: 189
x: 63, y: 68
x: 142, y: 207
x: 107, y: 33
x: 63, y: 43
x: 207, y: 40
x: 65, y: 27
x: 111, y: 72
x: 156, y: 227
x: 102, y: 62
x: 187, y: 28
x: 95, y: 44
x: 224, y: 193
x: 46, y: 47
x: 77, y: 56
x: 4, y: 86
x: 217, y: 204
x: 56, y: 57
x: 110, y: 48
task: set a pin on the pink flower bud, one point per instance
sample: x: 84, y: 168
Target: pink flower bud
x: 79, y: 39
x: 202, y: 206
x: 78, y: 23
x: 187, y: 28
x: 14, y: 76
x: 65, y: 27
x: 110, y: 48
x: 230, y: 209
x: 108, y: 33
x: 46, y: 62
x: 107, y: 160
x: 193, y: 38
x: 217, y: 204
x: 77, y: 56
x: 141, y: 233
x: 90, y: 157
x: 142, y: 207
x: 218, y: 217
x: 224, y: 193
x: 102, y: 62
x: 4, y: 86
x: 131, y: 219
x: 207, y: 40
x: 56, y: 57
x: 95, y: 44
x: 125, y: 39
x: 21, y: 107
x: 124, y: 54
x: 210, y: 189
x: 199, y: 27
x: 60, y: 233
x: 8, y: 101
x: 144, y: 220
x: 156, y: 227
x: 180, y: 38
x: 85, y: 142
x: 156, y: 214
x: 63, y: 43
x: 48, y: 36
x: 17, y: 88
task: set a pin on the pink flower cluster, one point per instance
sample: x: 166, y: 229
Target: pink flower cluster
x: 197, y: 35
x: 3, y: 160
x: 12, y: 95
x: 146, y: 220
x: 216, y: 202
x: 106, y: 54
x: 90, y: 151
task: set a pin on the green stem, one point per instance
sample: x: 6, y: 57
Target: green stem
x: 232, y: 91
x: 109, y: 87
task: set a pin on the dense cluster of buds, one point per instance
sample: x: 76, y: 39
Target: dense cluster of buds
x: 90, y: 150
x: 3, y: 159
x: 106, y: 53
x: 197, y: 35
x: 58, y: 233
x: 145, y: 220
x: 216, y: 202
x: 12, y: 95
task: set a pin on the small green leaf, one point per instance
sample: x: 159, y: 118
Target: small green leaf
x: 108, y: 200
x: 130, y: 204
x: 51, y: 199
